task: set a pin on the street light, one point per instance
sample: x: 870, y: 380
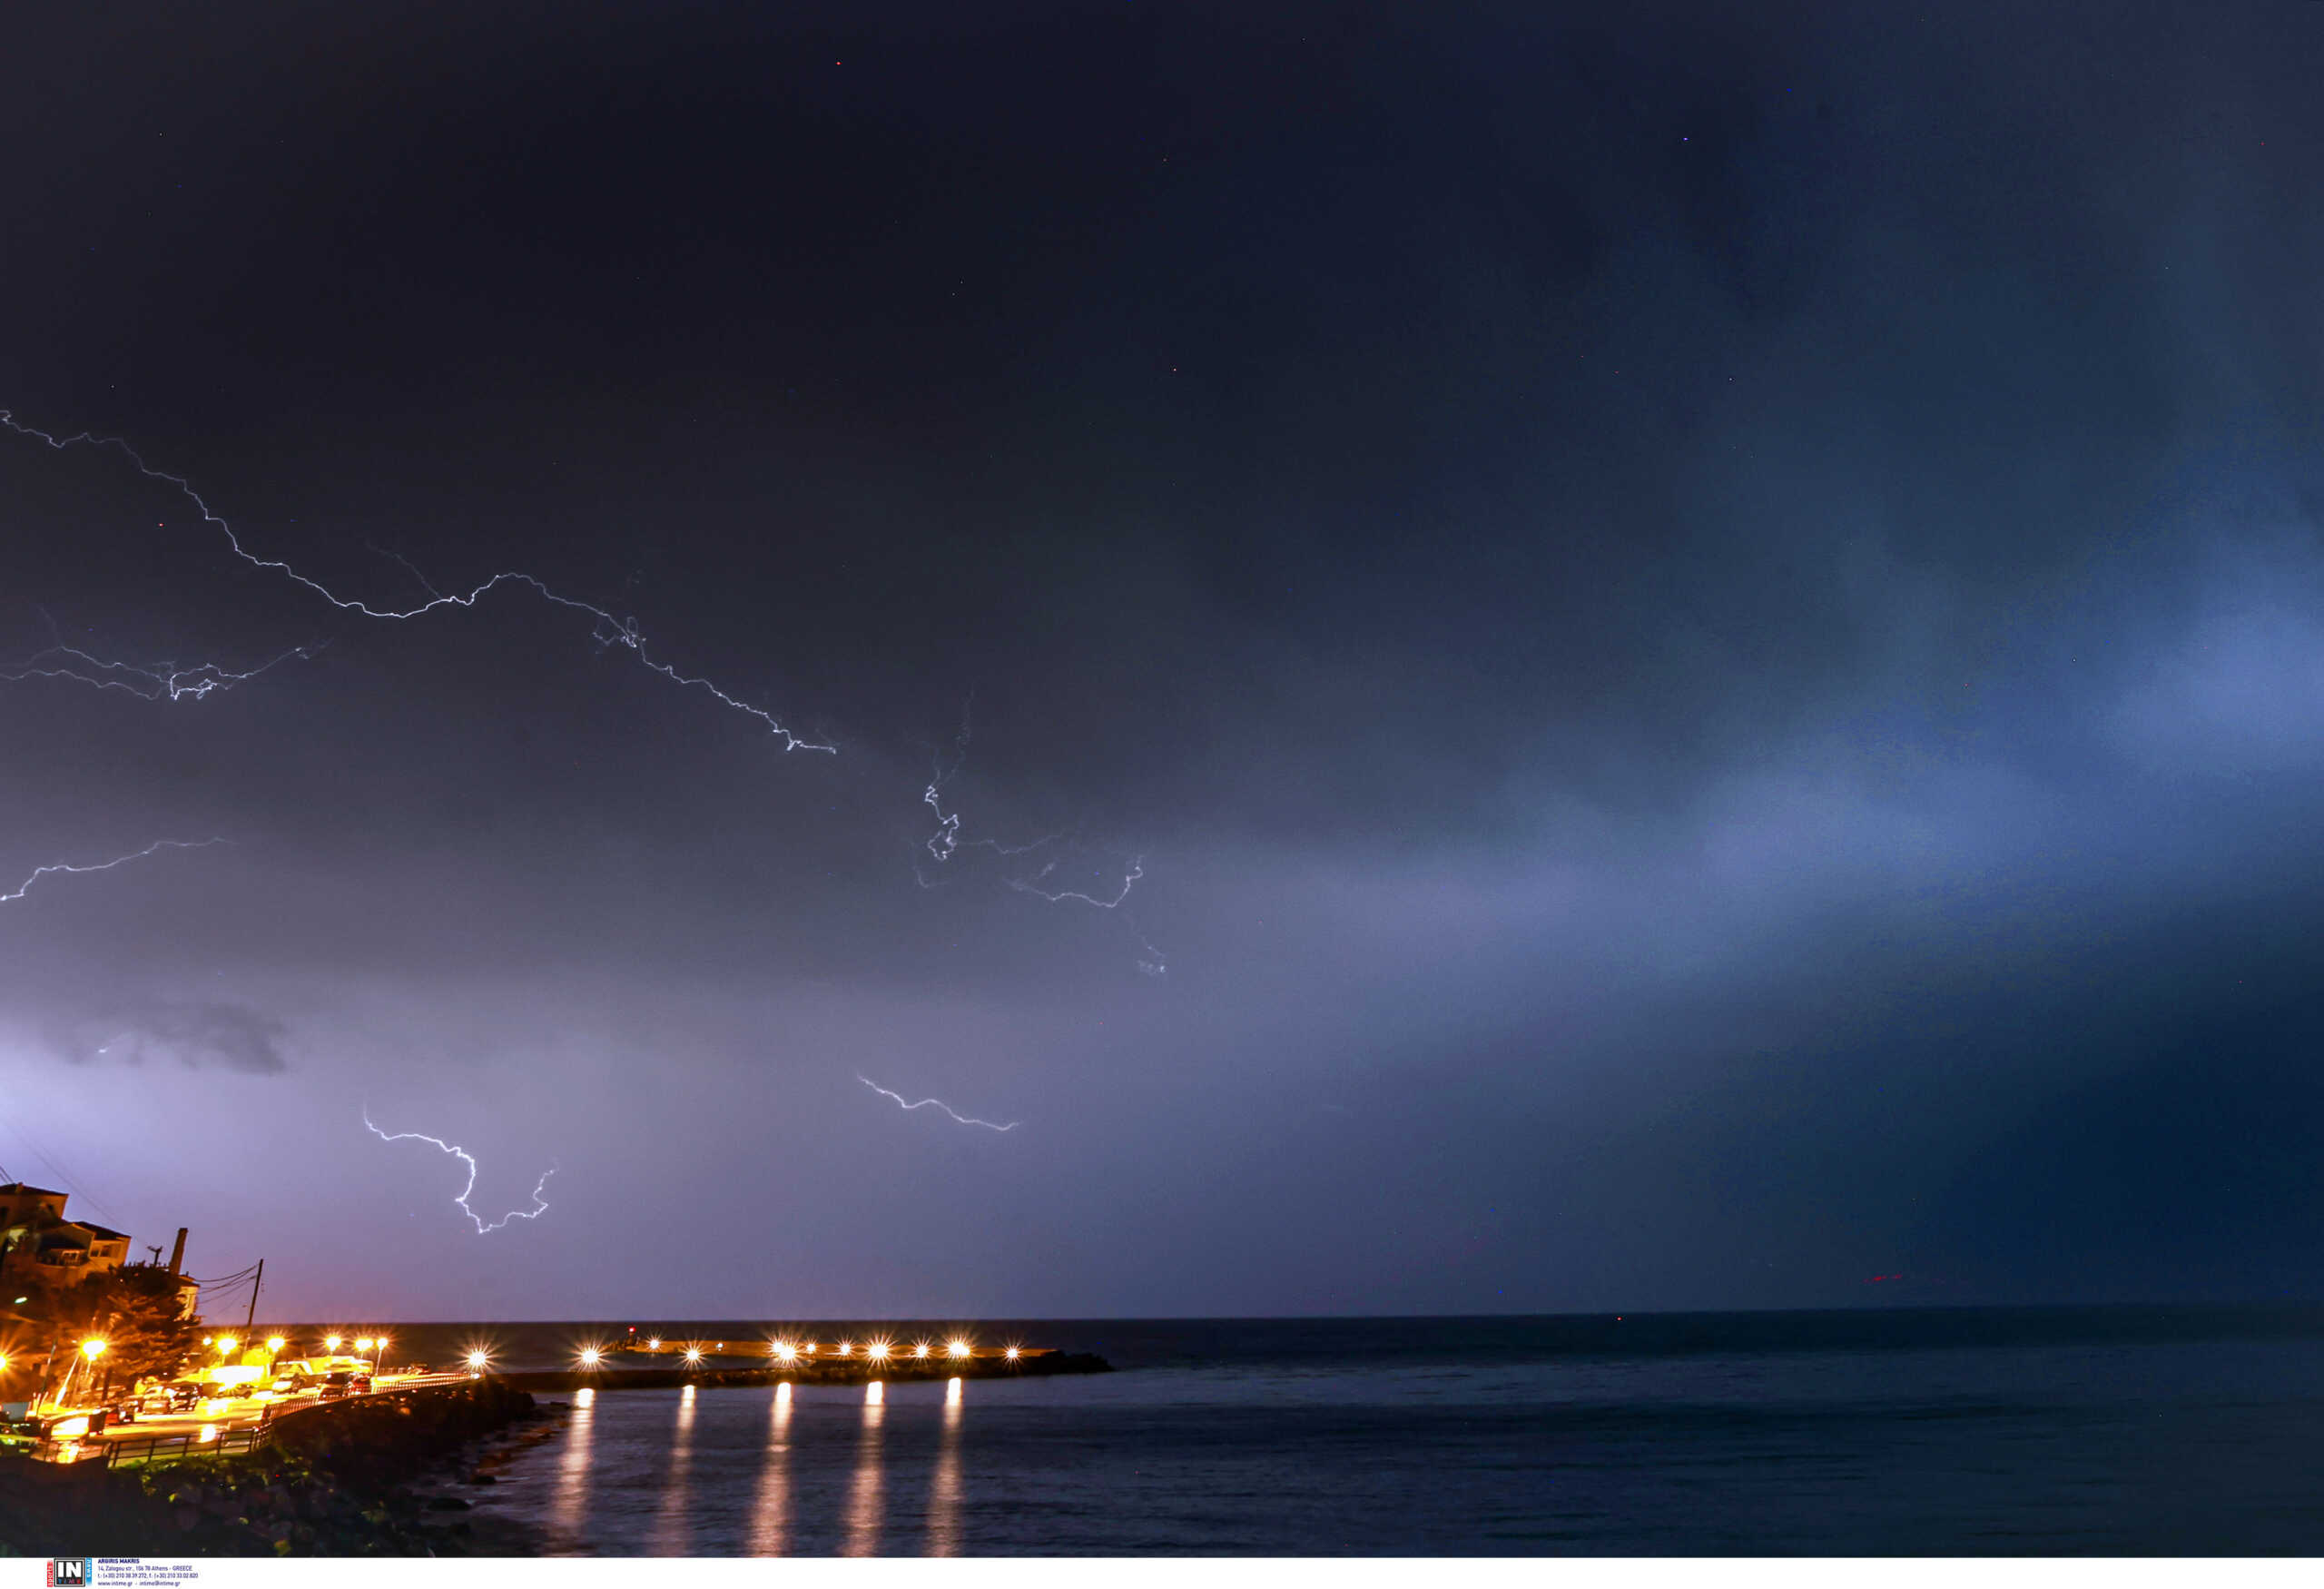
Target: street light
x: 378, y: 1351
x: 330, y: 1343
x: 90, y: 1350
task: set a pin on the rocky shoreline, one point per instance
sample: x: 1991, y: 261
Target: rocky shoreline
x: 348, y: 1478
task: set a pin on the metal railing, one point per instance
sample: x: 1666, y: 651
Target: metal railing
x: 157, y: 1449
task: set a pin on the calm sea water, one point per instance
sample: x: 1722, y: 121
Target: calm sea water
x: 2110, y: 1431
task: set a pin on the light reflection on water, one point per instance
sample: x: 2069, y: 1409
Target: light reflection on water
x: 671, y: 1534
x: 864, y: 1501
x: 571, y: 1507
x: 771, y: 1519
x: 944, y: 1488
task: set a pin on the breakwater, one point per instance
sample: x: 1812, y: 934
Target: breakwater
x: 820, y: 1371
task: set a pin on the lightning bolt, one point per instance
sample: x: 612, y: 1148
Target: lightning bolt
x: 540, y: 1204
x: 945, y: 841
x: 154, y: 681
x: 965, y: 1120
x: 40, y: 871
x: 1154, y: 964
x: 607, y: 629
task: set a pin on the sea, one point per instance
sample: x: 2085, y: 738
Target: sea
x: 2112, y: 1431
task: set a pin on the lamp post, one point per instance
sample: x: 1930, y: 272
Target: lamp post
x: 90, y: 1350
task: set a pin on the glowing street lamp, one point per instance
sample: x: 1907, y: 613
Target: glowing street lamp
x: 330, y: 1343
x: 90, y: 1350
x: 786, y: 1351
x: 1012, y: 1354
x: 877, y: 1349
x: 958, y: 1349
x: 378, y: 1351
x: 920, y: 1350
x: 588, y: 1357
x: 476, y: 1361
x: 226, y: 1344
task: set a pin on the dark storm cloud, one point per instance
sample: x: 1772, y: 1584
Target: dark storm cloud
x: 1709, y: 632
x: 232, y: 1037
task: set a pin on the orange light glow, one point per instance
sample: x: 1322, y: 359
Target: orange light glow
x: 959, y: 1348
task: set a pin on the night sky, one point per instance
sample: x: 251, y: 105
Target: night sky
x: 1698, y: 639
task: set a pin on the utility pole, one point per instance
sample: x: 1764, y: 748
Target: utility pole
x: 256, y: 1280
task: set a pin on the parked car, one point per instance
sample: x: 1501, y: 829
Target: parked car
x: 339, y: 1383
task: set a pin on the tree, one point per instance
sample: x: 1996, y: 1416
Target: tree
x: 133, y: 1309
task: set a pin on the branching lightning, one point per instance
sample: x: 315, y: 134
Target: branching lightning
x: 946, y: 842
x: 40, y: 871
x: 607, y: 629
x: 540, y: 1204
x: 1154, y: 964
x: 154, y: 681
x: 965, y: 1120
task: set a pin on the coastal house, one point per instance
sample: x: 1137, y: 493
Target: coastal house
x: 22, y: 1206
x: 38, y: 1242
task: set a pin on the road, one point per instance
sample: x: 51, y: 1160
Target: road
x: 243, y: 1412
